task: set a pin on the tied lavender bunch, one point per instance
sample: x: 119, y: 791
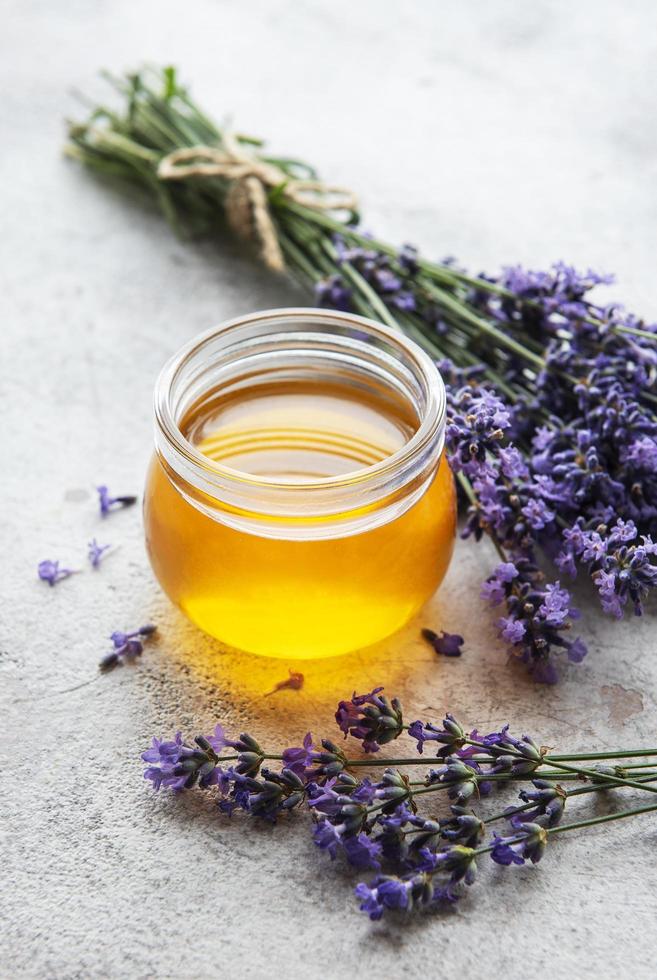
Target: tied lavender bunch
x: 418, y: 858
x: 552, y: 430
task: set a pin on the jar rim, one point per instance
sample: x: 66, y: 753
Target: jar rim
x: 298, y: 338
x: 430, y: 423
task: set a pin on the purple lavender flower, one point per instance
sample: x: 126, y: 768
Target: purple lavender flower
x: 477, y: 422
x: 461, y: 778
x: 126, y: 646
x: 549, y: 800
x: 96, y: 552
x: 362, y: 852
x: 108, y: 503
x: 527, y: 845
x: 390, y: 834
x: 445, y: 644
x: 386, y: 892
x: 345, y: 813
x: 297, y: 760
x: 177, y: 766
x: 538, y: 616
x: 52, y: 573
x: 327, y: 837
x: 450, y: 737
x: 333, y: 293
x: 274, y: 793
x: 250, y: 755
x: 312, y: 763
x: 372, y: 718
x: 494, y: 588
x: 621, y: 569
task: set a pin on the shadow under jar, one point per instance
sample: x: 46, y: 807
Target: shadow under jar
x: 298, y: 504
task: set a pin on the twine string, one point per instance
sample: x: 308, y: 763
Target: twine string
x: 249, y: 178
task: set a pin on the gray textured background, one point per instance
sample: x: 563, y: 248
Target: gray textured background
x: 499, y: 132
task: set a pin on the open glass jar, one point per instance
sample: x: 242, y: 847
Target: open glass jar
x: 298, y: 504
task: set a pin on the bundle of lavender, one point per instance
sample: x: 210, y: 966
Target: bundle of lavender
x: 552, y: 431
x: 418, y: 860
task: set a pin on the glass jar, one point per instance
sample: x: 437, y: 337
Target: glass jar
x: 341, y: 545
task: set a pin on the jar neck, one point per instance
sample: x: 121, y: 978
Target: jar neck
x: 280, y: 346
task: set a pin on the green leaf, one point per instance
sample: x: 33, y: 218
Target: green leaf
x: 170, y: 84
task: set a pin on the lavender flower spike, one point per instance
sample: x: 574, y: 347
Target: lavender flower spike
x: 372, y: 718
x: 50, y: 572
x: 108, y: 503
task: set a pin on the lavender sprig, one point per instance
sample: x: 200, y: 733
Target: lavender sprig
x: 419, y: 860
x: 552, y: 423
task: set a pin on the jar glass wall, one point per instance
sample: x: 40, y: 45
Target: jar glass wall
x: 298, y: 503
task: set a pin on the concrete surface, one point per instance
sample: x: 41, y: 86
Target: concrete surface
x: 498, y: 132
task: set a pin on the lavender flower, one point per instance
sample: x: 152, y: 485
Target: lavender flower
x: 178, y: 766
x: 450, y: 737
x: 621, y: 569
x: 477, y: 422
x: 388, y: 892
x: 333, y: 293
x: 549, y: 800
x: 445, y: 644
x: 52, y: 573
x: 461, y: 778
x: 96, y: 552
x: 538, y: 616
x: 464, y: 827
x: 126, y: 645
x: 527, y: 845
x: 270, y: 795
x: 250, y: 755
x: 373, y: 719
x: 362, y: 852
x: 313, y: 764
x: 108, y: 503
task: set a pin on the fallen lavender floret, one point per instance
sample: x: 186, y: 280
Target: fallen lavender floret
x: 52, y: 572
x: 96, y: 552
x: 445, y: 644
x: 126, y: 646
x: 108, y: 503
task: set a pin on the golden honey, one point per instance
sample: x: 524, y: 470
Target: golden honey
x: 287, y: 511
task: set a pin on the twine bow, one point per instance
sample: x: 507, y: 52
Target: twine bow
x: 246, y: 203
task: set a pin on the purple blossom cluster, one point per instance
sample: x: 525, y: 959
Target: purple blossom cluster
x: 418, y: 860
x: 510, y: 505
x: 621, y: 566
x: 553, y: 435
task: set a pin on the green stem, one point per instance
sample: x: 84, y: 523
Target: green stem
x: 629, y: 754
x: 592, y: 821
x: 588, y: 773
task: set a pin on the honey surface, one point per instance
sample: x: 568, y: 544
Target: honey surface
x: 299, y: 433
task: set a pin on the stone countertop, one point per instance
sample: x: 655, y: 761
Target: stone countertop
x: 496, y: 132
